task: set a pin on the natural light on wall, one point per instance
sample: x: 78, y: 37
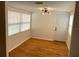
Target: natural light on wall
x: 18, y: 22
x: 70, y: 24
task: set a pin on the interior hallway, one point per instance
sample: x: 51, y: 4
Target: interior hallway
x: 40, y: 48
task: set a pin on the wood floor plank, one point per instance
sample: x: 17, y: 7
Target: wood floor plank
x: 40, y: 48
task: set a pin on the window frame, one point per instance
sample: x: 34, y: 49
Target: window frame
x: 25, y: 22
x: 20, y: 22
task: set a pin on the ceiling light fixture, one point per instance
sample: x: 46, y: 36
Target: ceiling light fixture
x: 45, y: 10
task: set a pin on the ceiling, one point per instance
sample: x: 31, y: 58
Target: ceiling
x: 32, y: 7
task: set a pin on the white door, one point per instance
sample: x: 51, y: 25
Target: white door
x: 61, y: 27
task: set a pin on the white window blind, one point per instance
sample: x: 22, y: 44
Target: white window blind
x: 13, y: 17
x: 25, y: 18
x: 25, y: 22
x: 25, y: 27
x: 13, y: 29
x: 18, y: 22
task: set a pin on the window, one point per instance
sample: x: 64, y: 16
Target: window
x: 17, y: 22
x: 25, y: 24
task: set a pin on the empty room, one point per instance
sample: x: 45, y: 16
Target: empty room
x: 40, y: 28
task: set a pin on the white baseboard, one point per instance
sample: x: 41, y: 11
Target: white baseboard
x: 43, y: 38
x: 48, y: 39
x: 67, y: 45
x: 18, y: 44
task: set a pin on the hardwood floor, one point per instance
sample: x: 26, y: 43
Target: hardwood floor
x: 40, y: 48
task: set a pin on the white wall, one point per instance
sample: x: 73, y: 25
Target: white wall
x: 68, y: 41
x: 43, y: 26
x: 70, y: 30
x: 17, y: 39
x: 62, y: 20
